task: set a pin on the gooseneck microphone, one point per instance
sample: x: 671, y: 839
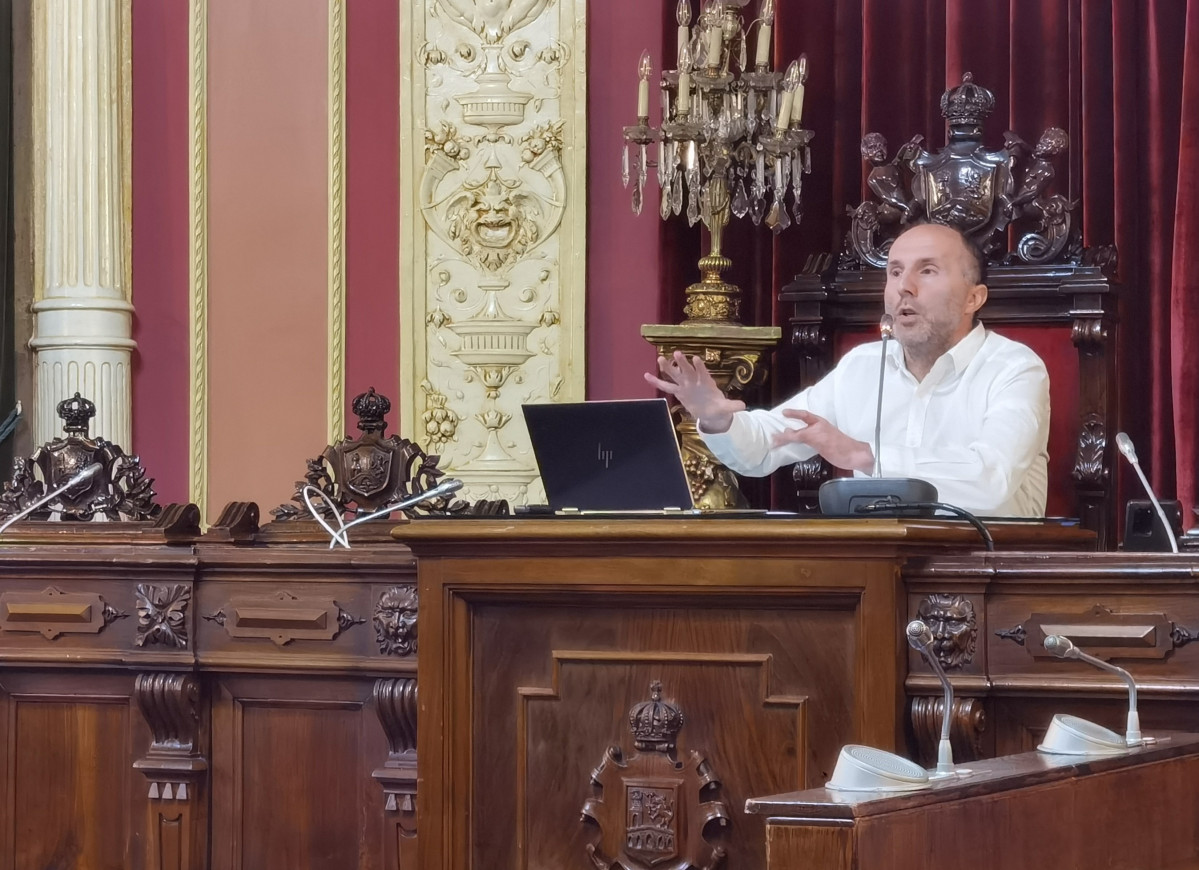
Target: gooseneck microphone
x: 920, y: 638
x: 845, y: 496
x: 886, y: 328
x: 340, y: 536
x: 1130, y: 453
x: 1064, y: 648
x: 74, y: 480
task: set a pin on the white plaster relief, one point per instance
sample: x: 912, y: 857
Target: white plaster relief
x: 498, y: 108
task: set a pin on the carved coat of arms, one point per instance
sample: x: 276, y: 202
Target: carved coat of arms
x: 963, y: 189
x: 652, y: 809
x: 980, y: 191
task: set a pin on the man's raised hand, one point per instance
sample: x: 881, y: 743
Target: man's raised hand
x: 826, y: 439
x: 689, y: 381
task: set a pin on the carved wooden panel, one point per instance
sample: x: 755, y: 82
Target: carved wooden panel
x: 289, y: 624
x: 53, y: 612
x: 66, y: 771
x: 1100, y: 632
x: 284, y: 617
x: 555, y: 702
x: 300, y: 750
x: 1149, y: 635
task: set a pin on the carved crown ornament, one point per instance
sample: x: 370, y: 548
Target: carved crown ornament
x: 95, y: 477
x: 362, y: 475
x: 980, y: 190
x: 651, y: 809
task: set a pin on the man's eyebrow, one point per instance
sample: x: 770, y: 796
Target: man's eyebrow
x: 923, y: 261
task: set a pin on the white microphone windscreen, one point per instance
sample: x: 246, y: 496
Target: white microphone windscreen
x: 1124, y: 443
x: 1058, y: 645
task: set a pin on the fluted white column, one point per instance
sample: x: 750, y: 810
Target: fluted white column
x: 83, y: 317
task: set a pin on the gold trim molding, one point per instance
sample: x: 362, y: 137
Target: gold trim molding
x: 337, y: 216
x: 197, y: 192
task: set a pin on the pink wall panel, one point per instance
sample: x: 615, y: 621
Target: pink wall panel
x: 623, y: 262
x: 268, y: 122
x: 160, y: 249
x: 372, y: 201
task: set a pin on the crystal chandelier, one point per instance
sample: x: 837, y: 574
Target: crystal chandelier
x: 730, y: 138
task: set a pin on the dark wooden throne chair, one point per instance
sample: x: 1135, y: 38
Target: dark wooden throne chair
x: 1046, y: 290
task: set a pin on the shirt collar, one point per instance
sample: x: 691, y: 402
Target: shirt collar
x: 960, y: 355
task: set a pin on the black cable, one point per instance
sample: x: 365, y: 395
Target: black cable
x: 890, y: 505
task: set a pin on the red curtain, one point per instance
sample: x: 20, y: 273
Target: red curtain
x: 1121, y: 76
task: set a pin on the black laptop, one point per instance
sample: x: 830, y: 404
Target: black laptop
x: 608, y: 456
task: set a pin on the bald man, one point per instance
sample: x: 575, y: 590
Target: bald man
x: 963, y: 408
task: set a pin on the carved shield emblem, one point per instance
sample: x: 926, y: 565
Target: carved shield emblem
x: 651, y: 833
x: 670, y: 805
x: 62, y: 459
x: 962, y: 189
x: 367, y: 470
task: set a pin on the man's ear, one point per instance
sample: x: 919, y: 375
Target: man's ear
x: 975, y: 297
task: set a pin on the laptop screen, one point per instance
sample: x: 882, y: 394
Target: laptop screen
x: 608, y: 456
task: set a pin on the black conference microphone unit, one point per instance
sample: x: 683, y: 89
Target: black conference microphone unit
x: 1130, y: 453
x: 846, y: 496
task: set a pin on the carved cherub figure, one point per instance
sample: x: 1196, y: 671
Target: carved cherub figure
x: 1040, y: 171
x: 886, y: 178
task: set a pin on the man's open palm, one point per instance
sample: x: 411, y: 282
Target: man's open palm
x: 689, y: 381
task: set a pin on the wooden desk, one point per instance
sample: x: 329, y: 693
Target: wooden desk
x: 187, y: 702
x: 247, y: 698
x: 1138, y: 811
x: 776, y: 640
x: 991, y: 612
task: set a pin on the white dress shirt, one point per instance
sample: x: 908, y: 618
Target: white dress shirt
x: 976, y: 427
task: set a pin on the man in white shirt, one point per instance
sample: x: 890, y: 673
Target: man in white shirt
x: 963, y: 408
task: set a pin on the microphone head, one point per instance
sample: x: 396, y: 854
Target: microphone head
x: 886, y: 326
x: 450, y: 484
x: 1059, y: 646
x: 918, y: 634
x: 1125, y: 444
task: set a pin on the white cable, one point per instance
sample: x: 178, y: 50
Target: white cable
x: 337, y: 537
x: 341, y: 536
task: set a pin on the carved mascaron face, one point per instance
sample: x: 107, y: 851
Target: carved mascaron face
x: 952, y: 621
x: 395, y: 621
x: 493, y: 222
